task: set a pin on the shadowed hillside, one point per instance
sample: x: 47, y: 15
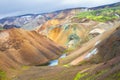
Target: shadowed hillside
x: 107, y: 59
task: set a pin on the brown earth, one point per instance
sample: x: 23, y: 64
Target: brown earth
x: 19, y: 47
x: 50, y: 73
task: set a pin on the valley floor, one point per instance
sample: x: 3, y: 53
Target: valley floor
x: 50, y: 73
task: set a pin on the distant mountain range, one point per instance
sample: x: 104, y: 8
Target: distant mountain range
x: 31, y: 21
x: 26, y: 19
x: 107, y: 6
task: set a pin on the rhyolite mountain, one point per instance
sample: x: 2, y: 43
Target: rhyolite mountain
x: 72, y: 30
x: 98, y: 59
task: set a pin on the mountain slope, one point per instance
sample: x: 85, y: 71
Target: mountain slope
x: 107, y: 59
x: 76, y: 29
x: 19, y: 47
x: 88, y: 49
x: 101, y: 65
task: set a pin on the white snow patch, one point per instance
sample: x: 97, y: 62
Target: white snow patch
x: 97, y: 42
x: 93, y: 52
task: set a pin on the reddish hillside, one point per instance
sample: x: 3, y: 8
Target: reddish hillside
x: 20, y: 47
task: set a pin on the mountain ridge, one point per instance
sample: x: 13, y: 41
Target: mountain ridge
x: 24, y: 20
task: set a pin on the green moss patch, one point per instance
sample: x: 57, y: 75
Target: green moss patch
x: 80, y: 75
x: 3, y: 75
x: 114, y: 76
x: 89, y: 76
x: 101, y: 15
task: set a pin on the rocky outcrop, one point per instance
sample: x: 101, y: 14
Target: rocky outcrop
x: 20, y: 47
x: 63, y: 31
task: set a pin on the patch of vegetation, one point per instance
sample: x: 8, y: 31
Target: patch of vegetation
x: 115, y: 76
x: 66, y: 65
x: 90, y: 76
x: 3, y: 75
x: 101, y: 15
x: 97, y: 75
x: 25, y: 67
x: 1, y: 28
x: 73, y: 36
x: 66, y: 27
x: 73, y: 40
x: 68, y: 50
x: 79, y: 76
